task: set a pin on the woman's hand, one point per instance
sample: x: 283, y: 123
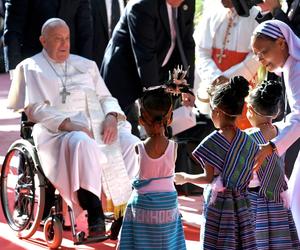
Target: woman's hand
x: 220, y: 80
x: 264, y: 151
x: 110, y: 129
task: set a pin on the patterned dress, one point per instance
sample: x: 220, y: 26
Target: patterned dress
x: 152, y: 219
x: 274, y: 224
x: 228, y: 218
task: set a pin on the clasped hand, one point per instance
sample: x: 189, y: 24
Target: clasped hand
x: 109, y: 129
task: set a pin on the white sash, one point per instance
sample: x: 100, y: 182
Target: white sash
x: 116, y: 183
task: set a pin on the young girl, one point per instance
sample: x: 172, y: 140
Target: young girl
x: 227, y: 156
x: 275, y: 227
x: 152, y: 219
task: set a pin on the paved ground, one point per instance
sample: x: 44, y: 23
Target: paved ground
x: 9, y: 131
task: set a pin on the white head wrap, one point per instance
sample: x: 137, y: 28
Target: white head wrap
x: 277, y: 29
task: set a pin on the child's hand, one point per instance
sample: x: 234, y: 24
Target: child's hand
x: 180, y: 178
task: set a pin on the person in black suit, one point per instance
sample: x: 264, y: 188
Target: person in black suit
x: 24, y: 20
x: 2, y: 68
x: 103, y: 25
x: 141, y: 53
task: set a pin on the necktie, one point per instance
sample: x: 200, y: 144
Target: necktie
x: 115, y: 14
x: 178, y: 40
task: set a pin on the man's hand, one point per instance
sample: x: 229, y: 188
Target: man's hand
x: 264, y: 151
x: 188, y: 99
x: 273, y: 4
x: 269, y: 5
x: 68, y: 125
x: 110, y: 129
x: 220, y: 80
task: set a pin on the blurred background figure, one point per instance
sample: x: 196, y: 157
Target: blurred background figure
x: 24, y: 20
x: 2, y: 68
x: 105, y: 14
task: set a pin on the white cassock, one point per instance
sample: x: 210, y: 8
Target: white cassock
x: 214, y: 34
x: 71, y: 160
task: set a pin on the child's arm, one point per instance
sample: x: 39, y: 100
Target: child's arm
x: 205, y: 178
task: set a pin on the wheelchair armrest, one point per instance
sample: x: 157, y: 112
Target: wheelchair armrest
x: 27, y: 123
x: 26, y: 130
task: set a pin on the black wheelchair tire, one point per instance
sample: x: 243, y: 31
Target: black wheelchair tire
x: 29, y: 152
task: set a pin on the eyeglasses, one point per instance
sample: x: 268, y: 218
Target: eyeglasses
x: 264, y: 52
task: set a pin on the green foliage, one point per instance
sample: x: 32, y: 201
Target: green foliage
x: 198, y: 11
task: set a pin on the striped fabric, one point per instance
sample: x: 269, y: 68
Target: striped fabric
x: 274, y: 224
x: 271, y: 173
x: 269, y: 29
x: 228, y: 221
x: 152, y: 221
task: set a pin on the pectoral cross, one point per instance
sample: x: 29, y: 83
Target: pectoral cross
x: 64, y: 93
x: 220, y: 56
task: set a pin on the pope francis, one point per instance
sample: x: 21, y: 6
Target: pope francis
x: 84, y: 142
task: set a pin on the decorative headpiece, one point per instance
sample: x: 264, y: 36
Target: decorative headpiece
x: 176, y: 84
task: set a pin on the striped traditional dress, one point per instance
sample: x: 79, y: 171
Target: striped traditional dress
x: 275, y: 227
x: 152, y: 219
x: 228, y: 222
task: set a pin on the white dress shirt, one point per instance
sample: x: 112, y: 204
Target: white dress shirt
x: 108, y: 11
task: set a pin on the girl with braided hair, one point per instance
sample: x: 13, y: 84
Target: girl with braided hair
x: 152, y: 219
x: 274, y: 224
x: 227, y: 157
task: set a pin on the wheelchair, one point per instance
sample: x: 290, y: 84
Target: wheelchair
x: 23, y: 191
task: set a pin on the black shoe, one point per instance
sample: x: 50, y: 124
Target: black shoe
x: 115, y: 228
x: 97, y: 229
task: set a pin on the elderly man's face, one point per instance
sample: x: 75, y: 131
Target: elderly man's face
x: 56, y: 41
x: 175, y: 3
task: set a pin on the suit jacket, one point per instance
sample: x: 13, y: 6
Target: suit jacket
x: 100, y: 35
x: 24, y: 20
x: 139, y: 46
x: 279, y: 14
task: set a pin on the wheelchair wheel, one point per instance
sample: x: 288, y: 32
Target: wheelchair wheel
x: 53, y: 232
x: 22, y: 189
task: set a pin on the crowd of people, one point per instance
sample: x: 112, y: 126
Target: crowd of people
x: 90, y: 73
